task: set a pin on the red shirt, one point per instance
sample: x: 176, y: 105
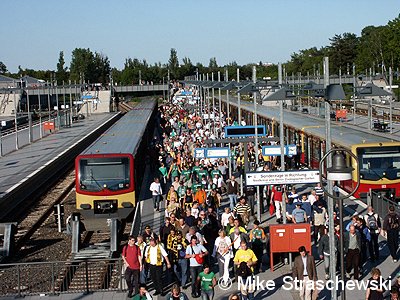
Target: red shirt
x: 131, y: 254
x: 277, y: 195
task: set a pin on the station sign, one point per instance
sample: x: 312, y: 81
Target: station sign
x: 290, y: 150
x: 218, y: 152
x: 212, y: 152
x: 200, y: 153
x: 244, y: 131
x: 279, y: 178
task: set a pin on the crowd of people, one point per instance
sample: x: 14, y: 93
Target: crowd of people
x: 201, y: 237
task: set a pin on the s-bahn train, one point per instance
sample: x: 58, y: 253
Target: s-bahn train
x: 109, y: 172
x: 379, y: 156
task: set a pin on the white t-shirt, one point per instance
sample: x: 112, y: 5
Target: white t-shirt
x: 225, y: 218
x: 156, y: 189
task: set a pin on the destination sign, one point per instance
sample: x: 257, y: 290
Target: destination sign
x: 278, y: 178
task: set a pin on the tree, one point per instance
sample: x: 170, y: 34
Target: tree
x: 3, y: 68
x: 82, y: 65
x: 187, y: 68
x: 342, y: 51
x: 61, y: 74
x: 173, y: 64
x: 89, y: 66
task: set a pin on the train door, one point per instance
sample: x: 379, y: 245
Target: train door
x: 309, y: 150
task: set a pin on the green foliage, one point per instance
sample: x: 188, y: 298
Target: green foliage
x: 173, y: 64
x: 88, y: 66
x: 61, y: 74
x: 3, y: 68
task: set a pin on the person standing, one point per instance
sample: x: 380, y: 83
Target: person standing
x: 391, y: 225
x: 373, y: 223
x: 232, y: 191
x: 132, y: 257
x: 156, y: 192
x: 195, y: 252
x: 352, y: 249
x: 304, y: 270
x: 155, y: 256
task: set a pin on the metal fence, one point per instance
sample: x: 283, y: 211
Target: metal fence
x: 381, y: 204
x: 52, y: 278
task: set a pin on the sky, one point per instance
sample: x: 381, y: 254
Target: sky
x: 34, y: 32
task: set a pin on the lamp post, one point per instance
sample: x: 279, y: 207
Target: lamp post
x: 257, y: 196
x: 338, y: 171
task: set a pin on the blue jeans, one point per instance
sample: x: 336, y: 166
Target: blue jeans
x: 156, y: 201
x: 182, y: 273
x: 194, y: 272
x: 232, y: 201
x: 207, y: 295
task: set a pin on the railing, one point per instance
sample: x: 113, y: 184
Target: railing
x: 52, y: 278
x: 381, y: 204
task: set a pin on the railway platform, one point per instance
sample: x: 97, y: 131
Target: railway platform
x: 24, y: 169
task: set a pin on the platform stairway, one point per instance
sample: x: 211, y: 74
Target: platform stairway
x: 96, y: 102
x: 7, y: 105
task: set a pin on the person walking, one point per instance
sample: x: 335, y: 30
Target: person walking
x: 373, y: 223
x: 223, y: 253
x: 375, y: 288
x: 352, y: 249
x: 156, y: 192
x: 207, y: 282
x: 132, y: 257
x: 304, y: 270
x: 195, y: 252
x: 391, y: 226
x: 155, y: 256
x: 257, y: 239
x: 276, y: 198
x: 233, y: 192
x: 176, y: 294
x: 323, y: 250
x: 244, y: 261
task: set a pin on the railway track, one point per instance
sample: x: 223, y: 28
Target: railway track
x: 37, y: 215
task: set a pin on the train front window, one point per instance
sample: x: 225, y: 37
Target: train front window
x: 107, y: 173
x: 379, y: 163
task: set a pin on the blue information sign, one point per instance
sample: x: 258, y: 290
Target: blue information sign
x: 290, y: 150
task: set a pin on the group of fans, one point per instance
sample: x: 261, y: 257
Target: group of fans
x: 200, y: 235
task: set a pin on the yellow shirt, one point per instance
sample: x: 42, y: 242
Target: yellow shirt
x: 245, y: 256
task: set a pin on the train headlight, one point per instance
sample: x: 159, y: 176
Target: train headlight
x: 86, y: 206
x: 127, y: 204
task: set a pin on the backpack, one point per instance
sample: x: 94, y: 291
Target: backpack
x: 243, y: 270
x: 372, y: 222
x: 393, y: 222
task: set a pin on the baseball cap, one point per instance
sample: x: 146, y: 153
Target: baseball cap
x: 147, y: 227
x: 398, y: 275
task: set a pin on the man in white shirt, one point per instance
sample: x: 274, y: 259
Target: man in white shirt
x: 155, y: 255
x: 156, y: 191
